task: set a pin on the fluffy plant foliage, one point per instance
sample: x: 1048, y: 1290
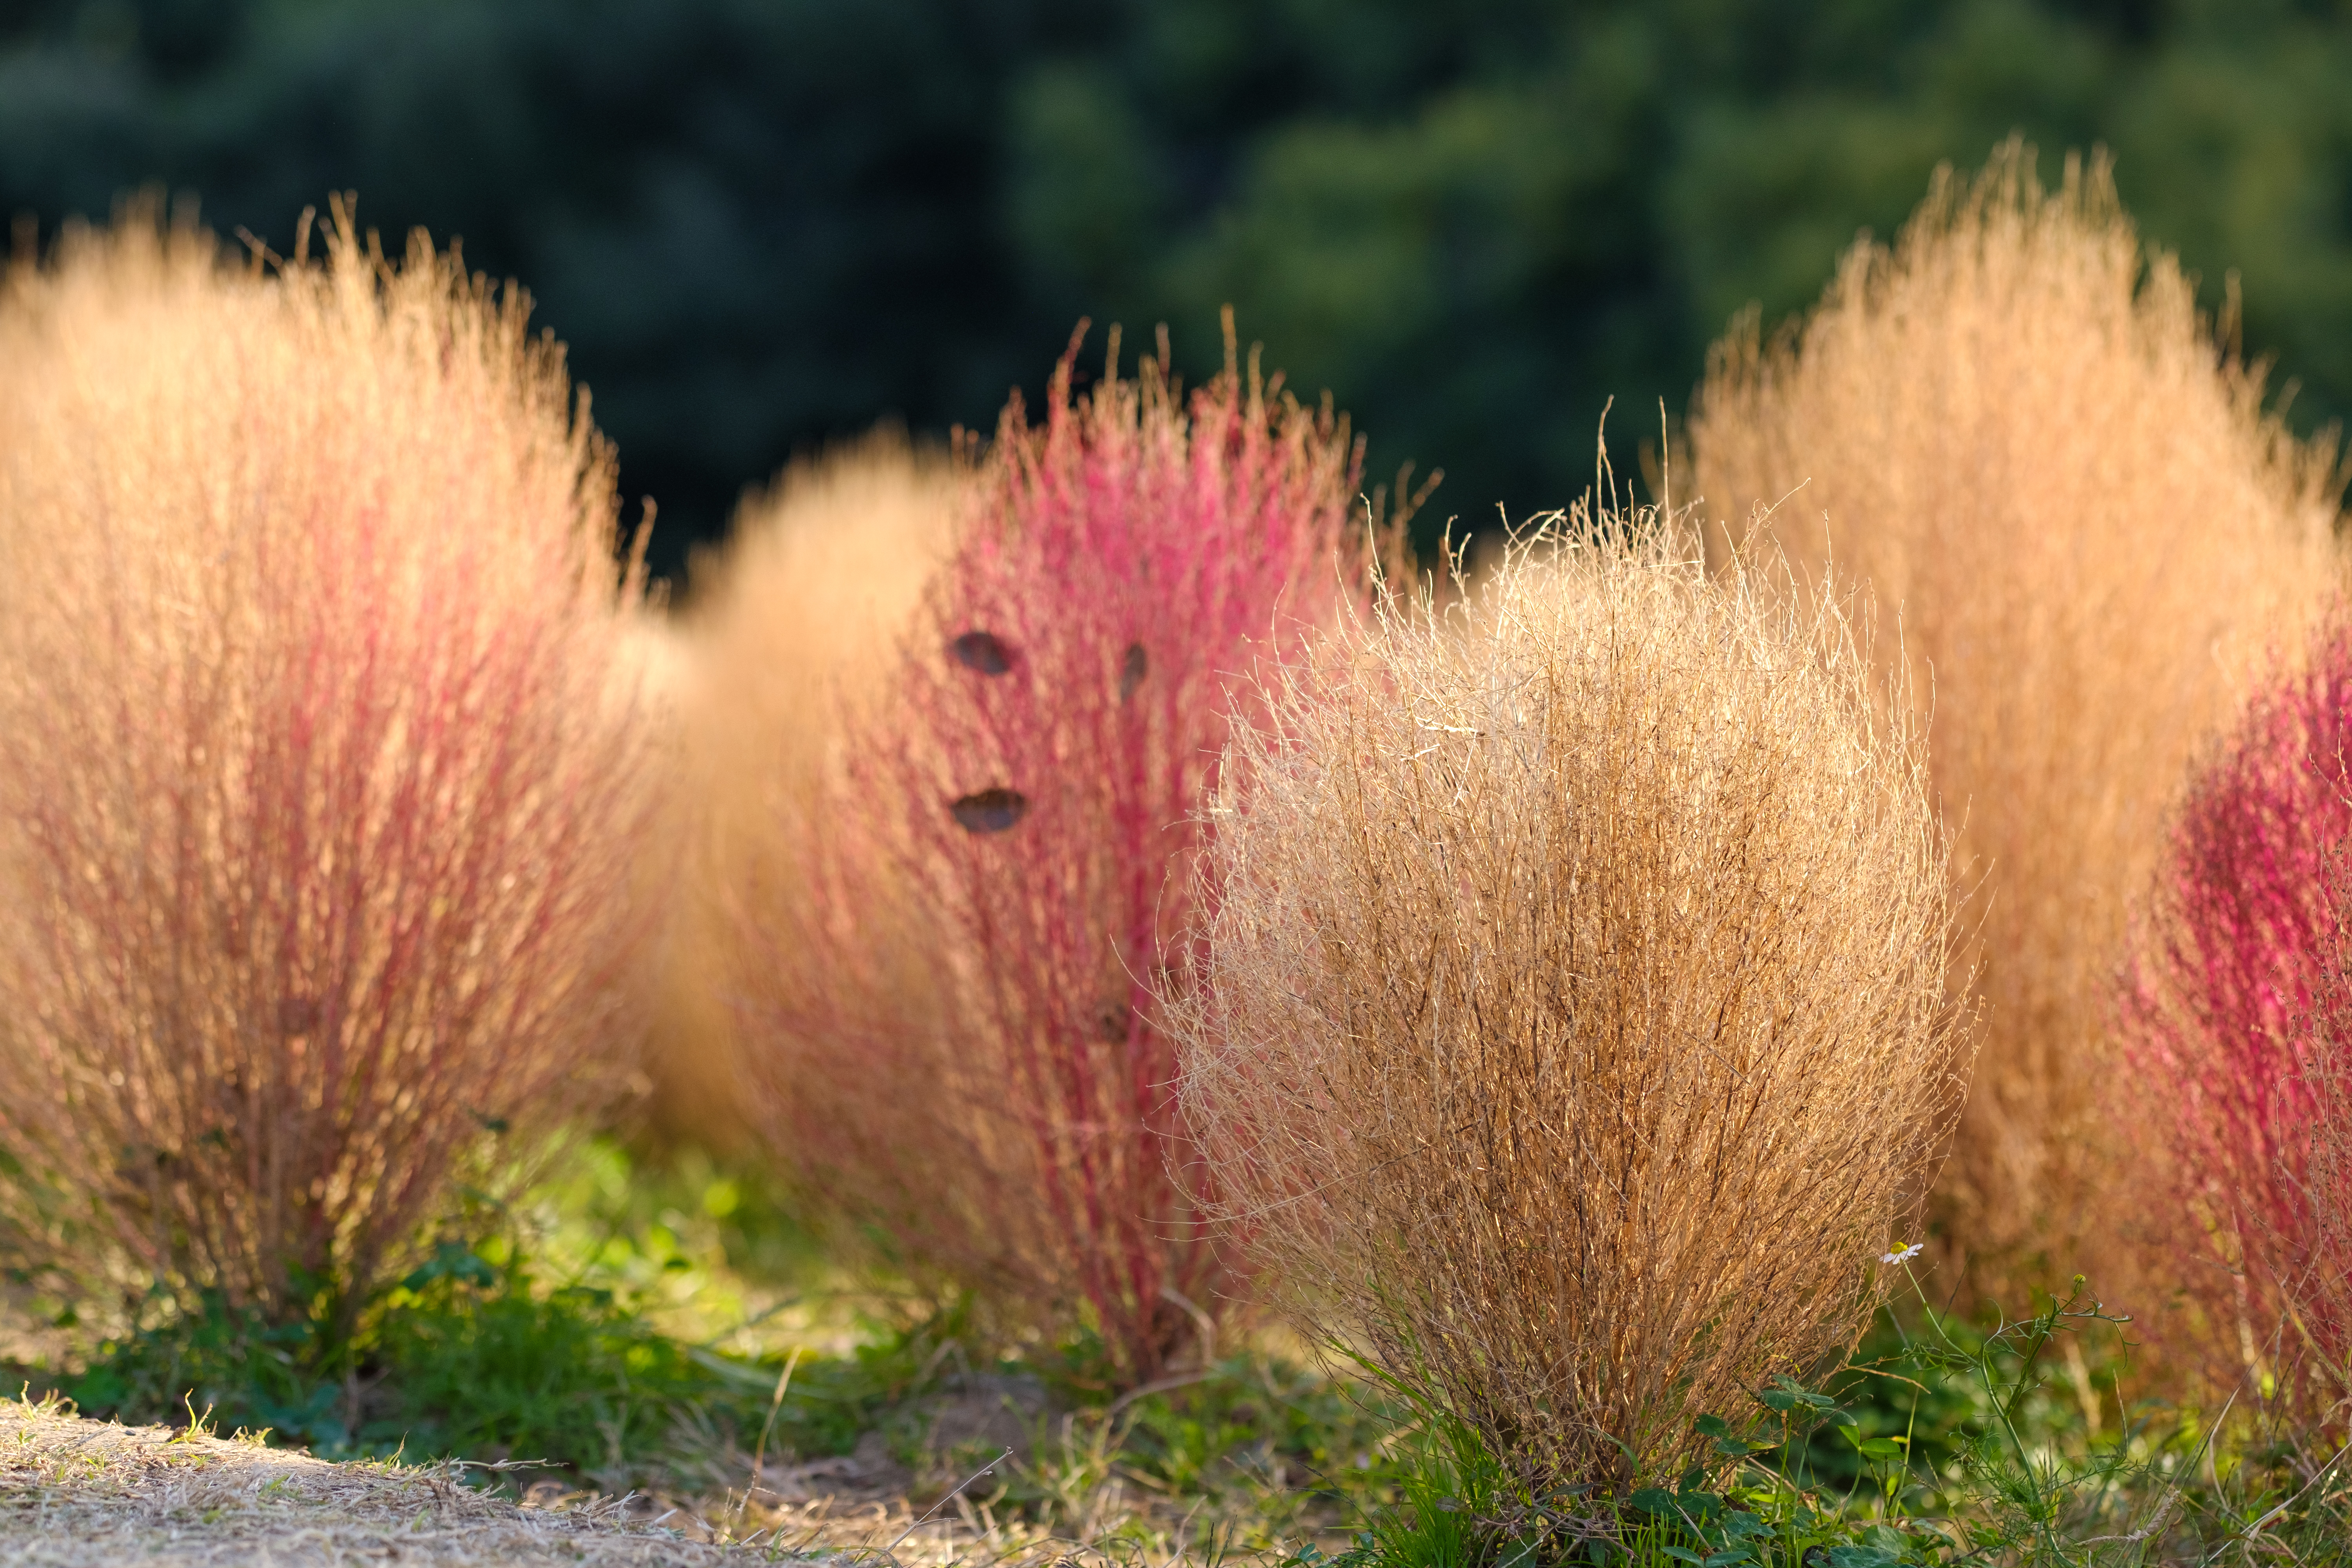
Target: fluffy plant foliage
x: 796, y: 627
x: 958, y: 1036
x: 2238, y: 1031
x: 1572, y: 1031
x: 2014, y: 426
x: 321, y: 747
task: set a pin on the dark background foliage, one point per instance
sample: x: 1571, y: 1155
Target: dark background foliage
x: 765, y: 224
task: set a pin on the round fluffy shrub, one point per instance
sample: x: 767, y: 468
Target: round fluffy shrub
x: 322, y: 745
x: 2237, y: 1019
x: 951, y: 1014
x: 1571, y: 1033
x: 2015, y: 427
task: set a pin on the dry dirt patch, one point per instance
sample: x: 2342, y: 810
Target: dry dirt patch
x: 90, y: 1494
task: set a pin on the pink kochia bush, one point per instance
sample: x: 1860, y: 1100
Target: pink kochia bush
x: 321, y: 745
x: 2237, y: 1022
x: 962, y: 1052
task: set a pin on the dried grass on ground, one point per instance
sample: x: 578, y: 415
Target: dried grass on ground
x: 2017, y: 428
x: 85, y: 1494
x: 82, y: 1494
x: 323, y: 749
x: 1572, y: 1031
x: 792, y: 632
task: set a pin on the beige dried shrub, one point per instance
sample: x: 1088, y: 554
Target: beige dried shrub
x: 1572, y: 1034
x: 793, y: 628
x: 321, y: 763
x: 2015, y: 426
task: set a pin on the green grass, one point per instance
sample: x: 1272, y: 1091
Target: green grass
x: 628, y: 1325
x: 1942, y: 1442
x: 582, y: 1327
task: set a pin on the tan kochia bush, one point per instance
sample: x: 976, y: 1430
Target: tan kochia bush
x: 322, y: 752
x: 2016, y: 428
x: 1572, y: 1032
x: 792, y: 632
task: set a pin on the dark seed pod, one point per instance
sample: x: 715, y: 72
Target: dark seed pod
x: 983, y: 651
x: 991, y: 810
x: 1132, y: 669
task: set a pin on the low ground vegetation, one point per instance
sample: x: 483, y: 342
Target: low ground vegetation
x: 1944, y: 1440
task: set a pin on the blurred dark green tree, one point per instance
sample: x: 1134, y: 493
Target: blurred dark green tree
x: 764, y: 224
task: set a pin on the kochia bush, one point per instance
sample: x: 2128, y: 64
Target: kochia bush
x: 2237, y: 1016
x: 796, y: 626
x: 2014, y: 426
x: 1572, y: 1033
x: 960, y: 1045
x: 320, y: 748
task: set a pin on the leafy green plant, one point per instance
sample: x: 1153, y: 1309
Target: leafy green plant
x: 468, y: 1355
x: 220, y: 1362
x: 1445, y: 1501
x: 484, y: 1362
x: 1941, y: 1443
x: 2028, y: 1490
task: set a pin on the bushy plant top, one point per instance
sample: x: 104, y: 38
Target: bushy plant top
x: 793, y: 629
x: 322, y: 741
x: 1572, y: 1031
x: 2015, y: 425
x: 961, y: 1047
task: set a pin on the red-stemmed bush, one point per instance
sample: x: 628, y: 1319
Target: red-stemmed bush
x: 323, y: 740
x: 960, y: 1047
x: 2238, y: 1020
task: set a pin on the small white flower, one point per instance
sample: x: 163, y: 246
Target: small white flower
x: 1903, y: 1254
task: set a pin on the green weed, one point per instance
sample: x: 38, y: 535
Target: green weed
x: 1941, y: 1444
